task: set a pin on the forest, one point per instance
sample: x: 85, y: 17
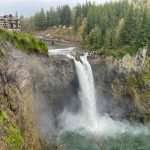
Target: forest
x: 113, y: 25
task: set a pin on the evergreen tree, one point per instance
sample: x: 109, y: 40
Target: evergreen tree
x: 128, y: 34
x: 143, y: 34
x: 95, y: 38
x: 40, y: 20
x: 108, y: 25
x: 66, y: 15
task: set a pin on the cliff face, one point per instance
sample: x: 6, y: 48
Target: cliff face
x: 11, y: 118
x: 126, y: 83
x: 43, y: 87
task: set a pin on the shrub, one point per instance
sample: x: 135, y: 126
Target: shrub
x: 120, y: 53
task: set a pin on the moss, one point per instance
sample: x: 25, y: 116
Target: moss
x: 10, y: 135
x: 13, y: 138
x: 141, y: 81
x: 23, y: 41
x: 2, y: 51
x: 1, y: 97
x: 132, y: 81
x: 2, y: 116
x: 10, y: 91
x: 139, y: 87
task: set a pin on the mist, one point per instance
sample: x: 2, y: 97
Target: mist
x: 60, y: 98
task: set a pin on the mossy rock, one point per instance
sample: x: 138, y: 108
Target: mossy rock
x: 13, y: 139
x: 10, y: 135
x: 23, y: 41
x: 140, y: 84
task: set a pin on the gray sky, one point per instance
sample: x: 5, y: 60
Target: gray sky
x: 28, y: 7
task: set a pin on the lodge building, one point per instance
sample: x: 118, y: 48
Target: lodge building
x: 10, y: 22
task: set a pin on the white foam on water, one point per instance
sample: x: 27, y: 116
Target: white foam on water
x: 64, y: 51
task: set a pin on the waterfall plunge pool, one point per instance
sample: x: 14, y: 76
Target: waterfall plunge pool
x: 125, y: 141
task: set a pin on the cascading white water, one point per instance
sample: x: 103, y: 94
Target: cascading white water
x: 88, y: 119
x: 87, y: 90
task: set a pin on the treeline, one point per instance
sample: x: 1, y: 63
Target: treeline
x: 61, y: 16
x: 106, y: 26
x: 115, y: 24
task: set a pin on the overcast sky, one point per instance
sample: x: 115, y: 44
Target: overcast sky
x: 28, y: 7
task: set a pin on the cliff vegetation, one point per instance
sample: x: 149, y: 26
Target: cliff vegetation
x: 23, y: 41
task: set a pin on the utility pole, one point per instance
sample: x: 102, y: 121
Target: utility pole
x: 16, y: 14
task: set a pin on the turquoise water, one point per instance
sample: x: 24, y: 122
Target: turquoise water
x: 126, y: 141
x: 58, y: 45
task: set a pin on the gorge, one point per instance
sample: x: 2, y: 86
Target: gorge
x: 57, y: 94
x: 75, y: 78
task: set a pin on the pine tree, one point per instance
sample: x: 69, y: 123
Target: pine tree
x: 143, y: 34
x: 40, y: 20
x: 66, y: 16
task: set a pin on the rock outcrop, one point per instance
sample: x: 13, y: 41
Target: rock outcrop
x: 126, y: 83
x: 128, y: 64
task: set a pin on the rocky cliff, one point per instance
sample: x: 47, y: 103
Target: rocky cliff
x: 126, y: 85
x: 43, y: 87
x: 35, y: 89
x: 11, y: 115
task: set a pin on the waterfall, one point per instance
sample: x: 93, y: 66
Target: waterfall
x: 88, y: 118
x: 87, y: 89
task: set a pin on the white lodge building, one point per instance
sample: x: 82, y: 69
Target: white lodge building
x: 10, y: 22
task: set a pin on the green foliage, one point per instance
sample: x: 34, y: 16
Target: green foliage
x: 105, y: 26
x: 117, y: 53
x: 140, y: 81
x: 65, y: 15
x: 131, y: 50
x: 40, y: 20
x: 27, y: 24
x: 2, y: 116
x: 129, y: 29
x: 114, y: 53
x: 120, y: 23
x: 2, y: 51
x: 10, y: 136
x: 13, y: 139
x: 23, y: 41
x: 82, y: 30
x: 95, y: 38
x: 139, y: 87
x: 53, y: 17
